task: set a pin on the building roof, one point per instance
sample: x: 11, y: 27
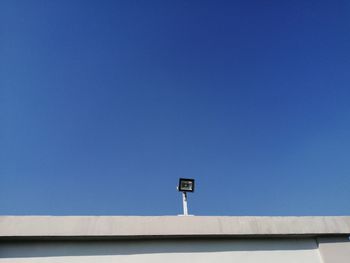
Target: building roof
x: 58, y: 227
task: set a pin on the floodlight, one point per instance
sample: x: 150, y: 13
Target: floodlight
x: 186, y: 185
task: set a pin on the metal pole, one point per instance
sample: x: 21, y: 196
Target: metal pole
x: 184, y: 201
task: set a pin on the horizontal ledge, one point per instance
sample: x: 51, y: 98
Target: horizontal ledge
x: 167, y: 237
x: 156, y: 227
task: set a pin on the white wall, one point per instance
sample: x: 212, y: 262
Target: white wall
x: 169, y: 251
x: 334, y: 249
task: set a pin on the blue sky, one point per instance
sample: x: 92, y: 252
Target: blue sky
x: 105, y: 104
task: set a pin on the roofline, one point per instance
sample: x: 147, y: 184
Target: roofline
x: 164, y: 227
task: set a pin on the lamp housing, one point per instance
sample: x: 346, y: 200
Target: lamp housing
x: 186, y: 185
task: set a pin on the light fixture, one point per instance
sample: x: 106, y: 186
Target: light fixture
x: 185, y: 185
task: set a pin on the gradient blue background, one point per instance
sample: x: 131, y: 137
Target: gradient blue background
x: 105, y: 104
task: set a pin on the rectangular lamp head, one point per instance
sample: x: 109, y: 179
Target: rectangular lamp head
x: 186, y: 185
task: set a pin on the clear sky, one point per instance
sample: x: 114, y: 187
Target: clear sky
x: 105, y: 104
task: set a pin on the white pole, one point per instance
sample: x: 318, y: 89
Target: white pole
x: 184, y: 201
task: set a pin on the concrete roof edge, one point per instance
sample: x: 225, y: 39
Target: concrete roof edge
x: 151, y: 227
